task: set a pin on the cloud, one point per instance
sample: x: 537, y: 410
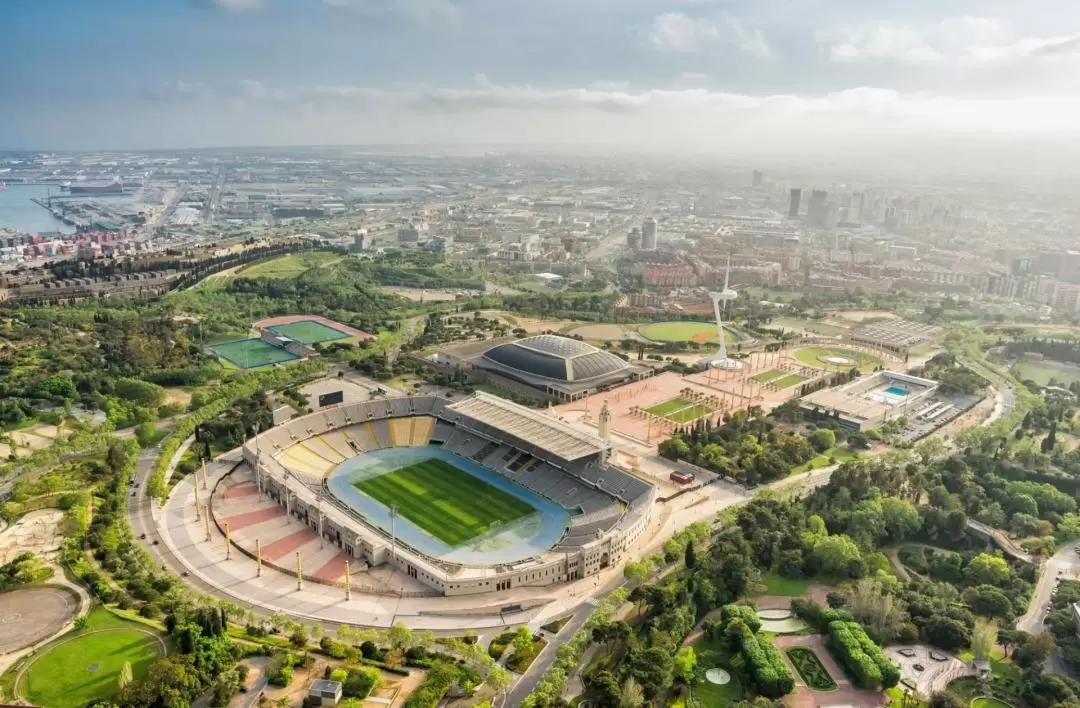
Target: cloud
x: 963, y: 42
x: 419, y: 12
x: 678, y: 32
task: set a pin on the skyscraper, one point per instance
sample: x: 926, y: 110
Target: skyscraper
x: 759, y: 176
x: 796, y: 197
x: 648, y: 234
x: 815, y: 210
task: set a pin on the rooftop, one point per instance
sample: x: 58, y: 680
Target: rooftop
x: 530, y: 425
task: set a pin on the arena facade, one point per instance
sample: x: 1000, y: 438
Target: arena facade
x: 573, y: 513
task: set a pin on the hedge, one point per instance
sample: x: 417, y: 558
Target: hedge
x: 746, y: 613
x: 863, y: 658
x: 767, y: 667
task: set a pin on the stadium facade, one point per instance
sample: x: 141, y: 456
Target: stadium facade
x: 560, y: 367
x: 607, y: 509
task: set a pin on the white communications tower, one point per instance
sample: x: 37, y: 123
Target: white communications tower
x: 721, y: 360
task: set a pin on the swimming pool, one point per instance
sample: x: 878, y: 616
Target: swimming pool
x: 896, y: 391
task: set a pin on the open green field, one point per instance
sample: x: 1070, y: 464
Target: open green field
x: 800, y: 325
x: 82, y: 667
x: 841, y: 454
x: 1042, y: 371
x: 712, y: 654
x: 450, y: 504
x: 817, y: 356
x: 700, y: 332
x: 679, y: 410
x: 308, y: 332
x: 767, y: 376
x: 250, y: 353
x: 779, y: 585
x: 289, y: 266
x: 984, y: 702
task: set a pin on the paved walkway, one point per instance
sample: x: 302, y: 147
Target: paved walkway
x: 845, y: 693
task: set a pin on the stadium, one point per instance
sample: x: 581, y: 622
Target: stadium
x: 870, y: 400
x: 474, y: 496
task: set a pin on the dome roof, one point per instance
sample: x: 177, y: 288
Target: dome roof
x: 553, y: 357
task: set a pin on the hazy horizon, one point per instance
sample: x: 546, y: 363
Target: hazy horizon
x: 979, y: 85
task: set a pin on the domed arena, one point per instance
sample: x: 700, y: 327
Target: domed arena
x: 564, y: 368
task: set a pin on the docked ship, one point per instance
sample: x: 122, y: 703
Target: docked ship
x: 102, y: 188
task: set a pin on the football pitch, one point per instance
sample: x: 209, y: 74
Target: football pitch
x: 448, y: 503
x: 308, y: 332
x: 679, y: 410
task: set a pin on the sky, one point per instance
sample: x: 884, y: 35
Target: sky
x: 803, y: 78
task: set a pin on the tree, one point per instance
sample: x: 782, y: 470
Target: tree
x: 498, y: 680
x: 946, y: 633
x: 1034, y: 650
x: 985, y: 569
x: 877, y: 609
x: 636, y: 571
x: 684, y: 664
x: 125, y: 677
x: 690, y: 557
x: 983, y: 638
x: 631, y: 695
x: 930, y: 448
x: 944, y: 699
x: 823, y: 439
x: 523, y: 640
x: 836, y: 554
x: 400, y: 636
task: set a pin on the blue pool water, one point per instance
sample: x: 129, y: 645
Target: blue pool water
x: 529, y: 536
x: 896, y: 391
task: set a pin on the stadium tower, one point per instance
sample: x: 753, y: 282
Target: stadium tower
x: 721, y: 360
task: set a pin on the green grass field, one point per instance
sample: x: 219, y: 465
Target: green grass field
x: 309, y: 332
x: 701, y: 332
x: 789, y: 380
x: 289, y: 266
x: 1042, y: 371
x: 815, y: 356
x: 788, y: 587
x: 450, y: 504
x: 841, y: 454
x: 801, y: 325
x: 767, y: 376
x: 679, y: 410
x: 250, y: 353
x: 82, y: 667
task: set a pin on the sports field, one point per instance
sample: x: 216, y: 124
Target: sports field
x: 82, y: 667
x: 308, y: 332
x: 837, y: 358
x: 446, y: 502
x: 250, y: 353
x: 679, y: 410
x: 701, y: 332
x: 1041, y: 372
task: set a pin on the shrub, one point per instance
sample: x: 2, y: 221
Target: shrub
x: 746, y: 613
x: 359, y: 682
x: 765, y: 663
x: 869, y: 665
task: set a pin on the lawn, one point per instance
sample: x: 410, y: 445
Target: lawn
x: 706, y: 692
x: 817, y: 356
x: 251, y: 353
x: 815, y: 326
x: 788, y: 587
x: 840, y: 454
x: 984, y: 702
x: 1042, y: 371
x: 309, y: 332
x: 789, y: 380
x: 810, y: 669
x: 679, y: 410
x: 767, y: 376
x: 700, y: 332
x: 82, y: 667
x: 289, y: 266
x: 448, y: 503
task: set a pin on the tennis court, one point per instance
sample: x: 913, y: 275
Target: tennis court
x: 251, y: 353
x: 308, y: 332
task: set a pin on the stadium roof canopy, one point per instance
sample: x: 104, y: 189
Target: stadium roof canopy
x: 531, y: 426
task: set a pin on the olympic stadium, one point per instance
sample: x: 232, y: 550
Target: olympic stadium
x: 467, y: 497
